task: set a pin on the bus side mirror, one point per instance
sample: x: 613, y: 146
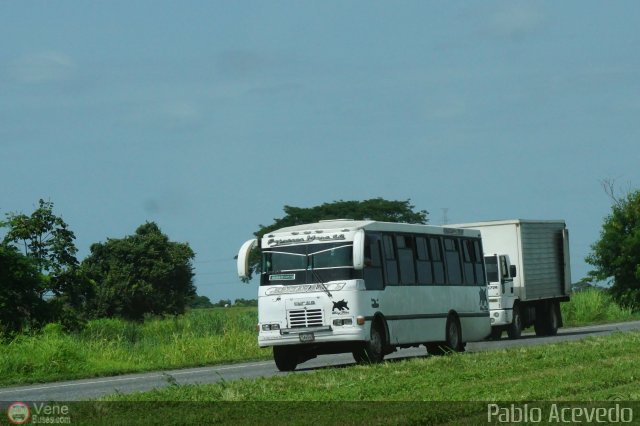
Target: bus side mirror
x: 512, y: 271
x: 243, y: 258
x: 358, y: 250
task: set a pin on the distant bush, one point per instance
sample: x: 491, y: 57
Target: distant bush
x: 110, y: 346
x: 593, y: 305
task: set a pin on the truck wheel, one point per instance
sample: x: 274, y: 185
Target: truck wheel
x: 286, y: 359
x: 552, y: 320
x: 547, y: 320
x: 372, y: 352
x: 496, y: 333
x: 540, y: 324
x: 453, y: 335
x: 515, y: 328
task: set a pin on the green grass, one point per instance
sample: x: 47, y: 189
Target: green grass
x: 599, y: 368
x: 593, y: 306
x: 113, y: 346
x: 201, y: 337
x: 453, y: 389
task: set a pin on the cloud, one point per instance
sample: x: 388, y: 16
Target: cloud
x: 174, y: 114
x: 450, y: 109
x: 179, y: 112
x: 240, y: 63
x: 42, y: 67
x: 515, y: 19
x: 246, y: 63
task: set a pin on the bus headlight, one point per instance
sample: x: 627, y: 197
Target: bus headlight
x: 270, y: 327
x: 340, y: 322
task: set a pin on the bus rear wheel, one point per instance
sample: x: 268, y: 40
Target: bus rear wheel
x: 453, y: 339
x: 453, y: 335
x: 286, y: 359
x: 371, y: 352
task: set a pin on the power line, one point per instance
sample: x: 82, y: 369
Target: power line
x: 445, y: 215
x: 216, y: 273
x: 226, y: 259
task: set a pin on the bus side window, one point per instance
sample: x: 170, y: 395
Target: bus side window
x: 468, y: 258
x: 406, y: 257
x: 390, y: 261
x: 435, y: 249
x: 373, y: 263
x: 452, y: 258
x: 478, y: 264
x: 423, y: 263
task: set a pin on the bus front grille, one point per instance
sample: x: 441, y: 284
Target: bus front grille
x: 301, y: 318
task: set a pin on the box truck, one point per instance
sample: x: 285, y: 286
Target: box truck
x: 528, y: 274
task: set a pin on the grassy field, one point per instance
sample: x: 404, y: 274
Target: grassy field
x: 201, y: 337
x: 594, y: 306
x: 590, y: 370
x: 599, y: 368
x: 111, y: 346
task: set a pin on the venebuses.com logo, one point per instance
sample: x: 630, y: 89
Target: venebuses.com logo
x: 18, y: 413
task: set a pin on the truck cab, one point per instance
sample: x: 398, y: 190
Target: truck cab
x: 501, y: 294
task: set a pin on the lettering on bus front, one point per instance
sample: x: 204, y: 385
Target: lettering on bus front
x: 271, y: 242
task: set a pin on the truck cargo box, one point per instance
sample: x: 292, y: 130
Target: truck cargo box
x: 538, y: 248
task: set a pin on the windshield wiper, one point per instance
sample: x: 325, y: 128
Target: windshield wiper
x: 317, y: 277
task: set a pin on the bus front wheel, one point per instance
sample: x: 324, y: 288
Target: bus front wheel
x: 286, y: 359
x: 371, y: 352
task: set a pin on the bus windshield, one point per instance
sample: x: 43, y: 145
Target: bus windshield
x: 290, y: 264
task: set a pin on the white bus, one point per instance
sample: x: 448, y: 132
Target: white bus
x: 368, y: 287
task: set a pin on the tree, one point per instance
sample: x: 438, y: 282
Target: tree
x: 200, y: 302
x: 373, y: 209
x: 222, y: 303
x: 20, y: 303
x: 48, y: 244
x: 245, y: 302
x: 616, y: 255
x: 140, y: 274
x: 44, y: 237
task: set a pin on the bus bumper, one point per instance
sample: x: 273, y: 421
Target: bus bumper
x: 312, y: 336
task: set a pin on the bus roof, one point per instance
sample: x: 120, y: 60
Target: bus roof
x: 347, y: 225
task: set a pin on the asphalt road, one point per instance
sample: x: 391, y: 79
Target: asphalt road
x: 77, y: 390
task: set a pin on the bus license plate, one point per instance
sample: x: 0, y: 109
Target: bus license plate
x: 307, y: 337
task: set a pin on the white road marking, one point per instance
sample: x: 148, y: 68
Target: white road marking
x: 124, y: 379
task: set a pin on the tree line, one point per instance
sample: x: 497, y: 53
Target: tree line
x: 615, y: 256
x: 203, y: 302
x: 41, y: 279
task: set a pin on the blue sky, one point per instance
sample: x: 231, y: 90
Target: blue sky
x: 208, y: 117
